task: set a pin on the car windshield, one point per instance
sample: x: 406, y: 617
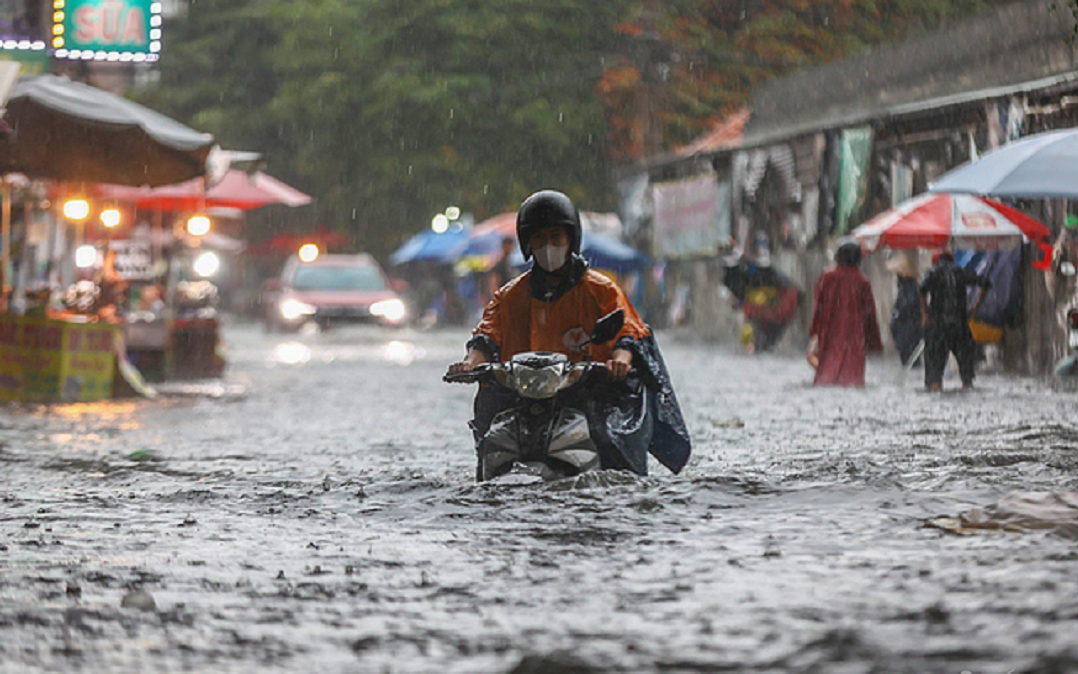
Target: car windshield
x: 338, y: 278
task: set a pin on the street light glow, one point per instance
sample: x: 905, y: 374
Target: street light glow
x: 76, y: 209
x: 440, y: 223
x: 452, y: 212
x: 85, y: 256
x: 207, y: 264
x: 111, y: 217
x: 308, y: 252
x: 198, y: 225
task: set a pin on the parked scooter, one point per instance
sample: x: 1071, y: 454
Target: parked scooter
x: 544, y: 431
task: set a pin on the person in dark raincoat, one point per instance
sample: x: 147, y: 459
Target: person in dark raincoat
x: 844, y: 324
x: 554, y: 307
x: 768, y: 298
x: 906, y: 314
x: 946, y: 319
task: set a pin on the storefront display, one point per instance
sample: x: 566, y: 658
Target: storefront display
x: 52, y: 360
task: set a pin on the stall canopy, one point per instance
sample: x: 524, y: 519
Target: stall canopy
x: 68, y: 131
x: 238, y: 189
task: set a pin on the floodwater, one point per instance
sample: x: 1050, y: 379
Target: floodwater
x: 315, y: 511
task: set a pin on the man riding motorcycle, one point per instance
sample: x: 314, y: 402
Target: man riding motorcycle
x: 554, y: 308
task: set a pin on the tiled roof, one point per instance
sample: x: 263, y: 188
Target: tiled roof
x: 726, y: 134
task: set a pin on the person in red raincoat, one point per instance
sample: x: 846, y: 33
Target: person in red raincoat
x: 844, y: 325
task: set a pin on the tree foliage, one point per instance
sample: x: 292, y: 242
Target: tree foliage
x: 388, y: 112
x: 713, y: 52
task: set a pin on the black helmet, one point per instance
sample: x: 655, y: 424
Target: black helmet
x: 547, y: 208
x: 849, y: 254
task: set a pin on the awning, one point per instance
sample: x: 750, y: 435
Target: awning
x: 68, y: 131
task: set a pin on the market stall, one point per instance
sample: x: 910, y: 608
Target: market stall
x: 61, y: 335
x: 56, y: 359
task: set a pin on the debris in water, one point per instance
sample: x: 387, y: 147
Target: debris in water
x: 734, y: 422
x: 139, y: 599
x: 1018, y: 512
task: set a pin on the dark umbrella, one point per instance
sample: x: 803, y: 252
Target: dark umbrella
x: 67, y: 131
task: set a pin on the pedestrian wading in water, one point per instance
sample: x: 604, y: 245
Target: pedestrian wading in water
x: 844, y: 323
x: 906, y: 314
x: 946, y: 319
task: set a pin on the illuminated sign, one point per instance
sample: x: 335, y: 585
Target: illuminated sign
x: 106, y: 30
x: 23, y: 26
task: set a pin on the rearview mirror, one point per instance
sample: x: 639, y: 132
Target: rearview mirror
x: 608, y: 327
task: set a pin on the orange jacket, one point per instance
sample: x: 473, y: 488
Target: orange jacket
x: 518, y: 322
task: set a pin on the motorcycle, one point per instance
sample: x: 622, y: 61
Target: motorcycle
x: 544, y: 431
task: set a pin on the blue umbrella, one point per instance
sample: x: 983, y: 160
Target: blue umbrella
x: 604, y: 252
x: 1040, y: 166
x: 601, y: 252
x: 430, y: 245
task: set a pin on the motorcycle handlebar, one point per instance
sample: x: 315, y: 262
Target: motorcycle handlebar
x: 485, y: 372
x: 473, y: 376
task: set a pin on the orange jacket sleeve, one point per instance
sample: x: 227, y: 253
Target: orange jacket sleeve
x: 610, y: 297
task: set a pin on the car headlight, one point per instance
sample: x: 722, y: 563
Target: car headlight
x: 293, y: 309
x: 391, y: 310
x: 541, y: 382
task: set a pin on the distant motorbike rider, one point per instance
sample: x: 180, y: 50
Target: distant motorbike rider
x: 946, y: 319
x: 553, y: 307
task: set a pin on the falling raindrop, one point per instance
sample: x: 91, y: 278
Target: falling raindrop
x: 409, y: 169
x: 353, y: 214
x: 561, y: 116
x: 486, y: 188
x: 450, y: 113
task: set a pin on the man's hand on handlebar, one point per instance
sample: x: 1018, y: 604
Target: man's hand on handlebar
x: 468, y: 363
x: 620, y: 362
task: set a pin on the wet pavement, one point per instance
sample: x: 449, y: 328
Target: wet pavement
x: 315, y: 510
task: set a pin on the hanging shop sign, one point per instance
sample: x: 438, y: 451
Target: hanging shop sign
x: 107, y: 30
x: 134, y: 259
x: 692, y: 216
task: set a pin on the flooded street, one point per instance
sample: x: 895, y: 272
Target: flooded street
x: 316, y: 512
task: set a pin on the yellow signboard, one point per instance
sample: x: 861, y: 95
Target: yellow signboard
x: 45, y: 360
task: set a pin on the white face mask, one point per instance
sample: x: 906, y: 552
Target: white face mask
x: 551, y: 258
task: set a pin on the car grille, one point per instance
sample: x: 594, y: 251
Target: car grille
x: 344, y: 313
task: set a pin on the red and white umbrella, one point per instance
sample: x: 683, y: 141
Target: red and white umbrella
x: 949, y: 220
x: 237, y: 190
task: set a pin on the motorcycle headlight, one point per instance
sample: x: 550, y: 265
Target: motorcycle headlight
x: 542, y: 382
x: 391, y: 310
x: 293, y: 309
